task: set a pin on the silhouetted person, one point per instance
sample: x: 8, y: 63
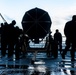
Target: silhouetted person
x: 16, y: 36
x: 24, y: 42
x: 49, y: 39
x: 52, y: 47
x: 21, y: 42
x: 4, y: 38
x: 1, y: 29
x: 70, y: 33
x: 58, y: 39
x: 11, y: 38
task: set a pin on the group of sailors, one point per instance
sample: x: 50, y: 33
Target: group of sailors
x: 54, y: 44
x: 13, y: 39
x: 70, y: 42
x: 10, y: 39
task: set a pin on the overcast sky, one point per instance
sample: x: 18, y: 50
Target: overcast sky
x: 60, y: 11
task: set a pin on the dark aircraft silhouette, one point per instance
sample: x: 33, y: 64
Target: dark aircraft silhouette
x: 36, y: 23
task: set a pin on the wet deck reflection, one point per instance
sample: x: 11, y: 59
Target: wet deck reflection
x: 42, y: 65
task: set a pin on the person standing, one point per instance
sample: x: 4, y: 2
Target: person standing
x: 11, y: 38
x: 4, y: 38
x: 58, y: 39
x: 70, y: 33
x: 16, y: 37
x: 52, y: 47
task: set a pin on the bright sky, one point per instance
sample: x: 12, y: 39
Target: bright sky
x: 60, y: 11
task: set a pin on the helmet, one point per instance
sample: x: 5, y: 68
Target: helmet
x: 13, y: 22
x: 74, y: 18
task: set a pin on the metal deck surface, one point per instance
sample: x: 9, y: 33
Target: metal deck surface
x: 42, y: 66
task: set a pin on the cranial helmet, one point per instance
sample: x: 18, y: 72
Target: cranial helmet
x: 14, y: 22
x: 74, y: 18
